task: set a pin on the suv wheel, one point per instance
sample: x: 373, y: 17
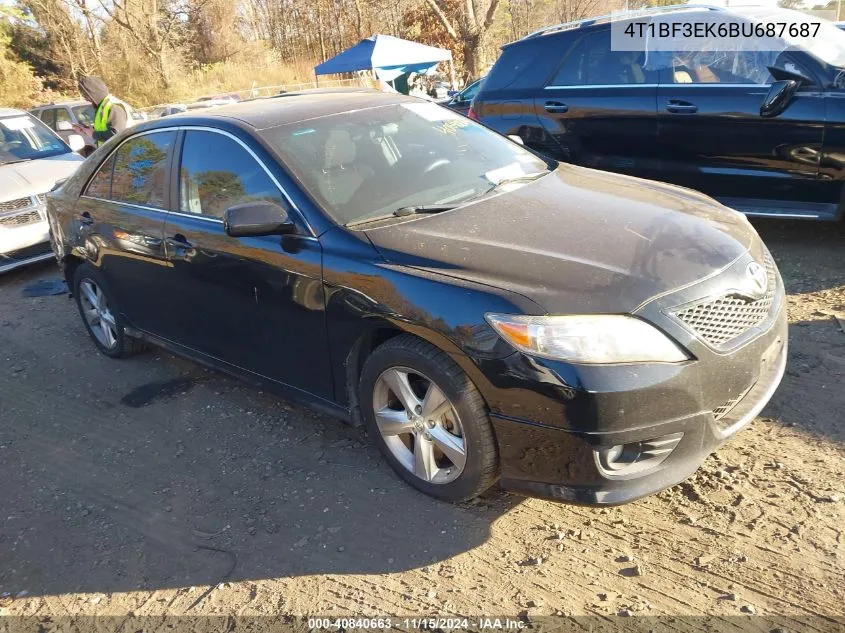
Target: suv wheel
x: 428, y: 419
x: 100, y: 315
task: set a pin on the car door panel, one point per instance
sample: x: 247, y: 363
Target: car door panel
x: 612, y: 128
x: 600, y: 107
x: 253, y: 302
x: 832, y: 161
x: 713, y: 138
x: 727, y: 150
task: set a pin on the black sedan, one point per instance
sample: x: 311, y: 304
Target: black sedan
x: 486, y: 313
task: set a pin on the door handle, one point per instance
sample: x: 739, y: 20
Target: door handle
x: 86, y: 219
x: 179, y: 241
x: 556, y: 107
x: 676, y: 106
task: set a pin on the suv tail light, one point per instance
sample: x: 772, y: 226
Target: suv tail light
x: 471, y: 113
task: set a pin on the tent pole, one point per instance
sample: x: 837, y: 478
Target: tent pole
x: 452, y: 74
x: 316, y: 80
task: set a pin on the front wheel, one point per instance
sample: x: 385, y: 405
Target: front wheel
x: 428, y: 419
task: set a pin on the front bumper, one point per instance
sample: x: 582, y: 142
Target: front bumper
x: 552, y: 419
x: 548, y: 462
x: 24, y: 238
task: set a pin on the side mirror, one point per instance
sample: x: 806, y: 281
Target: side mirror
x: 778, y: 98
x: 76, y: 142
x: 64, y: 126
x: 257, y: 218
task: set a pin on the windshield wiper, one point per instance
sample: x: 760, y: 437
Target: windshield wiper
x: 20, y: 160
x: 514, y: 179
x: 402, y: 212
x: 423, y: 208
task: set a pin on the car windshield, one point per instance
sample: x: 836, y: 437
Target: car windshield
x: 22, y: 138
x: 370, y: 162
x: 468, y: 93
x: 84, y: 114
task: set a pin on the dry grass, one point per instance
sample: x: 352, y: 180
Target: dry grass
x: 237, y: 77
x: 259, y: 78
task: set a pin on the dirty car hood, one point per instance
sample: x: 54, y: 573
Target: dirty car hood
x: 33, y: 177
x: 577, y: 240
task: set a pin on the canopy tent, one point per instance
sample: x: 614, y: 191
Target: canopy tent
x: 387, y: 56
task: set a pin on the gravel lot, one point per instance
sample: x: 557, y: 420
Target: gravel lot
x: 152, y: 486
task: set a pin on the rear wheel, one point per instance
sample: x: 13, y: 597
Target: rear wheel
x: 428, y: 419
x: 100, y: 315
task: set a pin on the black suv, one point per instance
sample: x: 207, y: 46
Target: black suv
x: 761, y: 131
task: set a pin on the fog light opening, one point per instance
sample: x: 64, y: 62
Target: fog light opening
x: 635, y: 459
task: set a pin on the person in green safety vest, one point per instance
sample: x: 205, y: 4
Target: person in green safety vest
x: 111, y: 114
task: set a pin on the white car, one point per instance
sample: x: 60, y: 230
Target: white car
x: 32, y: 160
x: 63, y: 116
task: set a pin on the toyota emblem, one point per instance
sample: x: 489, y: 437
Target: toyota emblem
x: 758, y: 278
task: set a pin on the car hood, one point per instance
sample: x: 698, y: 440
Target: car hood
x: 577, y: 240
x: 35, y: 176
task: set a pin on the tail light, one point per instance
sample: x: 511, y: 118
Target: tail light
x: 472, y: 114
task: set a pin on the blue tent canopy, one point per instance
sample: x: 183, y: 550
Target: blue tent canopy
x: 387, y: 56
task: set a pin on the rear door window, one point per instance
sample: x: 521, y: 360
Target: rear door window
x: 592, y: 63
x: 140, y: 170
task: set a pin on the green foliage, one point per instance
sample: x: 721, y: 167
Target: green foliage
x: 19, y: 86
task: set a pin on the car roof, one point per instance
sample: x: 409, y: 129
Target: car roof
x: 290, y: 107
x: 616, y: 17
x: 11, y: 112
x: 58, y: 104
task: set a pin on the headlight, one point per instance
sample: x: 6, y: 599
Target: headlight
x: 600, y: 338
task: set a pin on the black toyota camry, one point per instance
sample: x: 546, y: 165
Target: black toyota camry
x: 487, y: 314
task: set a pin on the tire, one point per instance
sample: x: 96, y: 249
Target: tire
x: 88, y: 283
x: 460, y: 421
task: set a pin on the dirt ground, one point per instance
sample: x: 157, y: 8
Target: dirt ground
x: 151, y: 486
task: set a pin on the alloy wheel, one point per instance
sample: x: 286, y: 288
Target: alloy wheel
x: 419, y: 425
x: 95, y: 309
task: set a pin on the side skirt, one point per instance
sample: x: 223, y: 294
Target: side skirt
x: 783, y: 209
x: 283, y: 390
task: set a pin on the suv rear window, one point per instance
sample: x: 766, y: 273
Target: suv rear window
x: 591, y: 62
x: 515, y: 61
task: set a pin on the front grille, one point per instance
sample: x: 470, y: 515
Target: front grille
x: 720, y: 321
x: 721, y: 412
x: 20, y: 219
x: 15, y: 205
x: 729, y: 417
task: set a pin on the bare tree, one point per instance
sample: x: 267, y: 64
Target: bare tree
x: 154, y: 26
x: 468, y: 26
